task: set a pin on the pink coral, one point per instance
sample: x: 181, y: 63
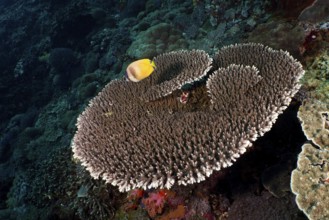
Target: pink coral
x: 133, y: 199
x: 184, y: 97
x: 135, y: 194
x: 155, y: 202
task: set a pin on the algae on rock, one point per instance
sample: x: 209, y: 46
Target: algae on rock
x: 155, y: 40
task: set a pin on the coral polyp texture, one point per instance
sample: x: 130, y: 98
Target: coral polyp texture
x: 175, y: 69
x: 314, y: 116
x: 136, y: 142
x: 310, y: 182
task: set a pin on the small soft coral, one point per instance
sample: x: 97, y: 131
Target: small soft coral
x: 135, y: 194
x: 133, y: 199
x: 155, y: 202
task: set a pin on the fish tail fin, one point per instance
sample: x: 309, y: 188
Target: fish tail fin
x: 153, y: 64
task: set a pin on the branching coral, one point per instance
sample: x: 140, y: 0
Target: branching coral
x: 136, y: 142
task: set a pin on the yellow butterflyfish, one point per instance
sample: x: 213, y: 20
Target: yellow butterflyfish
x: 140, y: 69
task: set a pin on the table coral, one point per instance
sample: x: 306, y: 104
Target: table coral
x: 136, y: 143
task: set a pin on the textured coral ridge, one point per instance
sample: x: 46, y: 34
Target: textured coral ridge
x: 175, y: 69
x: 310, y: 182
x: 314, y: 117
x: 133, y: 141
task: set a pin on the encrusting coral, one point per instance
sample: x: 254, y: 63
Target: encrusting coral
x: 310, y: 182
x: 136, y: 142
x: 314, y: 117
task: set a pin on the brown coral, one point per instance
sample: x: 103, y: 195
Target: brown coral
x: 309, y: 182
x: 175, y: 69
x: 132, y: 142
x: 314, y: 117
x: 261, y: 103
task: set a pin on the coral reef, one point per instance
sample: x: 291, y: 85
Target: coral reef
x: 155, y: 202
x: 94, y: 199
x: 316, y: 43
x: 156, y: 40
x: 131, y: 215
x: 50, y: 184
x: 314, y: 118
x: 292, y: 8
x: 55, y: 55
x: 315, y: 80
x: 313, y: 112
x: 62, y: 185
x: 173, y: 71
x: 317, y: 12
x: 264, y: 206
x: 156, y: 144
x: 197, y: 207
x: 279, y: 29
x: 220, y: 205
x: 310, y: 182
